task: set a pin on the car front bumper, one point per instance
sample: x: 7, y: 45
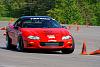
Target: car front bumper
x: 35, y: 44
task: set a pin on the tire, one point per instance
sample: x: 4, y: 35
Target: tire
x: 69, y: 50
x: 20, y: 46
x: 8, y: 44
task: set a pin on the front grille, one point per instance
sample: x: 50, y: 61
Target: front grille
x: 51, y: 44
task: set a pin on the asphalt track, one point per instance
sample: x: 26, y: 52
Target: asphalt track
x: 12, y: 58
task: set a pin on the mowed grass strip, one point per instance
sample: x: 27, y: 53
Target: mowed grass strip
x: 7, y: 19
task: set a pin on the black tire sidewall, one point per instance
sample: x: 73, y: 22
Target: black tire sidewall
x: 69, y: 50
x: 20, y: 47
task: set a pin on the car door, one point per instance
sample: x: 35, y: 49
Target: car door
x: 16, y: 31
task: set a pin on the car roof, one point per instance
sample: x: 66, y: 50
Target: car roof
x: 26, y: 17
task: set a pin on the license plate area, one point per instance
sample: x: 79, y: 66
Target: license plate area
x: 51, y: 43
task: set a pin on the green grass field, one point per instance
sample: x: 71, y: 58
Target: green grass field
x: 6, y: 18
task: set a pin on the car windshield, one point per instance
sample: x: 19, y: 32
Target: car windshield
x: 40, y: 23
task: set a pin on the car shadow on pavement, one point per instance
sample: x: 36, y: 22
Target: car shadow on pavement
x: 34, y: 51
x: 8, y: 49
x: 2, y: 48
x: 41, y: 51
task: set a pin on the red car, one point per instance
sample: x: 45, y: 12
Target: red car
x: 39, y: 32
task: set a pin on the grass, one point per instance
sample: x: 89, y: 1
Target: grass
x: 6, y: 18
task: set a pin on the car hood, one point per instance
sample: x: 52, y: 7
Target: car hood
x: 57, y: 33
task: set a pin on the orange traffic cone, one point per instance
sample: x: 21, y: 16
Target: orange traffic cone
x: 87, y: 24
x: 78, y: 28
x: 3, y: 28
x: 95, y: 52
x: 84, y: 49
x: 69, y: 27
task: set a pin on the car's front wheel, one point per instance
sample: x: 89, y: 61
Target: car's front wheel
x: 69, y: 50
x: 20, y: 46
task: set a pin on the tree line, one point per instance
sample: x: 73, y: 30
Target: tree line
x: 65, y: 11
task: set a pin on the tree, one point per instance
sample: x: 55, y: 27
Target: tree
x: 2, y: 8
x: 65, y: 11
x: 87, y: 10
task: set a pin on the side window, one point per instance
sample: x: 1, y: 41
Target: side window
x: 17, y: 23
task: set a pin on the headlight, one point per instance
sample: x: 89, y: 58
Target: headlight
x: 34, y: 37
x: 66, y: 37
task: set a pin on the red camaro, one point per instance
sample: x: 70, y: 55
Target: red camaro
x: 39, y: 32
